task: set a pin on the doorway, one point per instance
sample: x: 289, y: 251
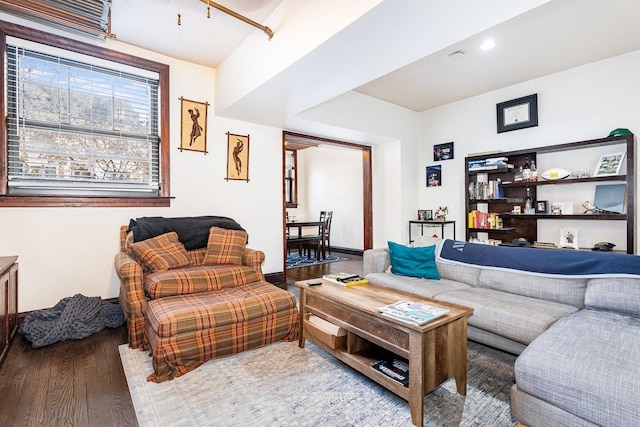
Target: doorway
x: 292, y: 141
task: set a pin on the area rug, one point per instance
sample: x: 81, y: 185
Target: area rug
x: 284, y: 385
x: 294, y: 260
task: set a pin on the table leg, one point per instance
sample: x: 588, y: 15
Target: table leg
x: 416, y: 378
x: 461, y: 356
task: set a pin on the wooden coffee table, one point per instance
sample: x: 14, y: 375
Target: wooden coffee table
x: 436, y: 351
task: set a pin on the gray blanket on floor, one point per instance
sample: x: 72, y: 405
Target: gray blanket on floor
x: 73, y: 317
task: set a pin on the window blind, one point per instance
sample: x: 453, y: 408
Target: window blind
x: 79, y: 128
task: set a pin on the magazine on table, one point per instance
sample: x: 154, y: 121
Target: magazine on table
x: 416, y: 313
x: 346, y: 279
x: 396, y: 369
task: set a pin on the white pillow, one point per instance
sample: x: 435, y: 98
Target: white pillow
x: 427, y: 241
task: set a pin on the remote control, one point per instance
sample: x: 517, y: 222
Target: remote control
x: 314, y: 283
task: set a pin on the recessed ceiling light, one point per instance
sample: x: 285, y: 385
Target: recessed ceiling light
x: 488, y: 45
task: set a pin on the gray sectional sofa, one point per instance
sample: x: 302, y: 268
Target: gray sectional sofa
x: 578, y: 338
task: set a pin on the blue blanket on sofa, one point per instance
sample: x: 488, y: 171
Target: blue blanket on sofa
x: 555, y: 262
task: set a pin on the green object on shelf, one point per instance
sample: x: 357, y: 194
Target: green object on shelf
x: 620, y: 131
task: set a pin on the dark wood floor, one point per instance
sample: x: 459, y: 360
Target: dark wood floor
x: 81, y: 382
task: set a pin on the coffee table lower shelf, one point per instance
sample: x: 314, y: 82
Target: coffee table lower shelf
x: 436, y: 351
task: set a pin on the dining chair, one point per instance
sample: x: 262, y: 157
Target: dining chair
x: 325, y: 217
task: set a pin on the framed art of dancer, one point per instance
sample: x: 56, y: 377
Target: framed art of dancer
x: 237, y: 157
x: 193, y: 131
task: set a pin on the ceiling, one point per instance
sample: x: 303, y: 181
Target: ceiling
x: 551, y: 38
x: 558, y: 35
x: 153, y: 25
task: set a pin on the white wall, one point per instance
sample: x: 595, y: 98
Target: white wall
x: 579, y: 104
x: 64, y: 251
x: 330, y: 179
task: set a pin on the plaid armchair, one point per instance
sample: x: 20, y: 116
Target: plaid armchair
x: 138, y: 285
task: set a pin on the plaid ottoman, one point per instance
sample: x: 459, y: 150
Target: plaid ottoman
x: 184, y: 331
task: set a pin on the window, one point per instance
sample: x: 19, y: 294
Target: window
x: 82, y: 126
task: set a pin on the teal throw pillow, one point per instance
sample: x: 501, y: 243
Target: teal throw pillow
x: 414, y: 262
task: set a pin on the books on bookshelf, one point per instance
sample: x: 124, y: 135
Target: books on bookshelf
x: 346, y: 279
x: 485, y: 220
x: 488, y: 164
x: 396, y: 368
x: 415, y: 313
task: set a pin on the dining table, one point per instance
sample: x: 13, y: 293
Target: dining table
x: 299, y: 238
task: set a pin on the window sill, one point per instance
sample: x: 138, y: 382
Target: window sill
x: 83, y: 201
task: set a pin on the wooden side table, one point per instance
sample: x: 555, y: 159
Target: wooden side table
x: 8, y: 302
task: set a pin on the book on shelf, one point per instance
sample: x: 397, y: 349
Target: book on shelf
x: 346, y: 279
x: 396, y: 368
x: 416, y: 313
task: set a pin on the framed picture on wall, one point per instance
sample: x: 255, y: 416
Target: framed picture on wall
x: 434, y: 176
x: 193, y: 132
x: 518, y: 113
x: 237, y: 157
x: 443, y: 151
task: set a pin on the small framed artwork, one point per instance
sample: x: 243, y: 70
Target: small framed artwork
x: 193, y: 131
x: 518, y: 113
x: 443, y: 152
x: 609, y: 164
x: 569, y: 237
x: 237, y: 157
x: 542, y: 207
x: 434, y: 176
x: 425, y: 215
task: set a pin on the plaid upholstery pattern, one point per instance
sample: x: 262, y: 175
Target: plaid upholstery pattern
x: 160, y: 253
x: 132, y: 296
x: 225, y: 246
x: 197, y: 279
x: 185, y: 331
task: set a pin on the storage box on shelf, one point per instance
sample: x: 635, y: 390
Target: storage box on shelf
x: 495, y: 199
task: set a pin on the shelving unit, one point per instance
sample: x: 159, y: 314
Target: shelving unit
x: 526, y: 225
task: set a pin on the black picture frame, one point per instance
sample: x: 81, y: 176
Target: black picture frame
x: 542, y: 206
x: 434, y: 176
x: 518, y: 113
x: 443, y: 151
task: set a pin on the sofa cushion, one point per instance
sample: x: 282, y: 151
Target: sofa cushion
x: 225, y: 246
x: 515, y: 317
x: 415, y: 285
x: 586, y: 364
x: 557, y: 289
x: 195, y: 279
x: 459, y: 273
x: 413, y: 262
x: 621, y: 295
x: 160, y: 253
